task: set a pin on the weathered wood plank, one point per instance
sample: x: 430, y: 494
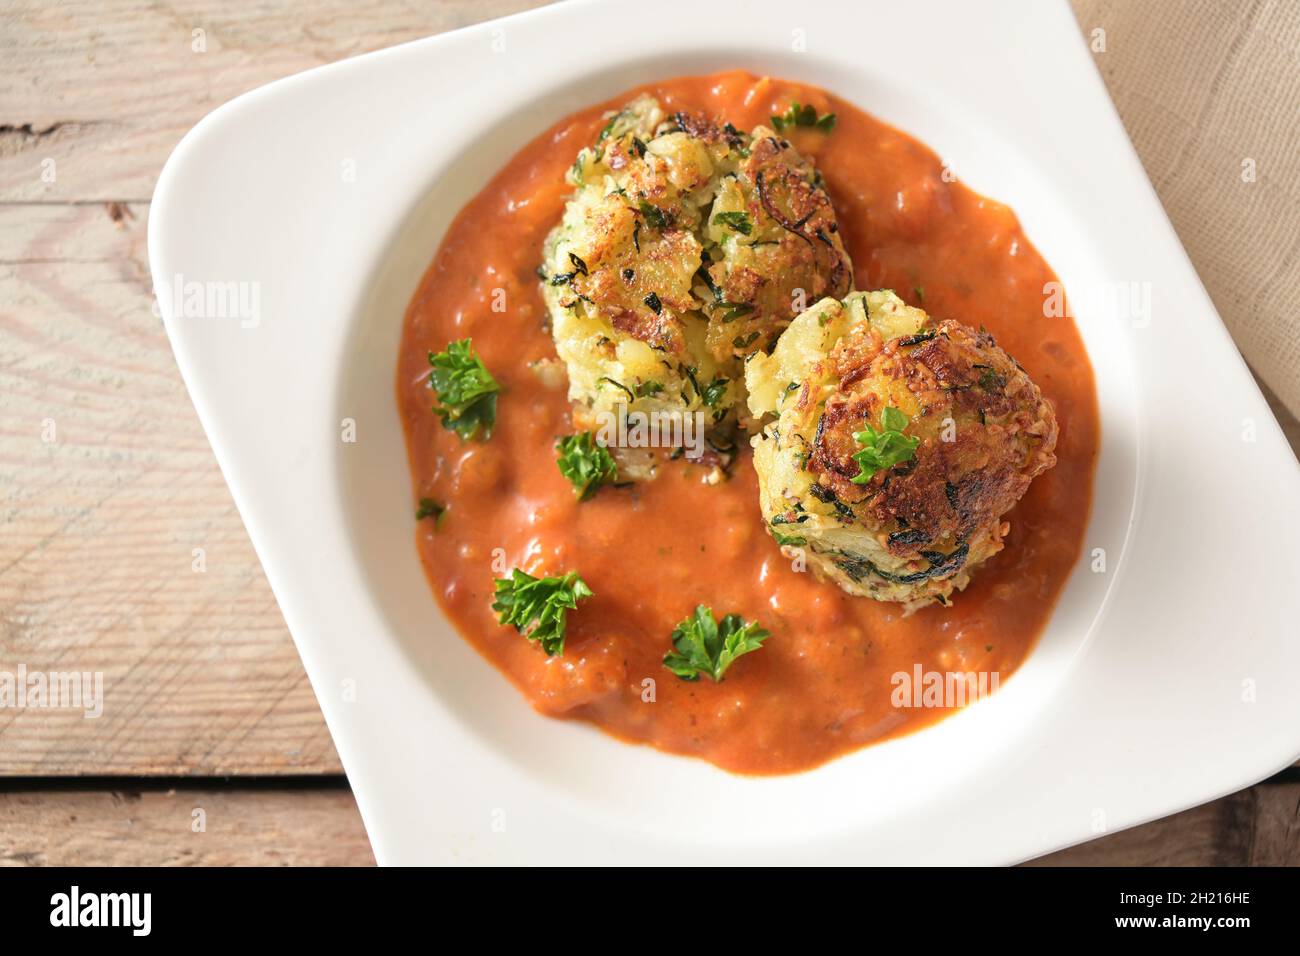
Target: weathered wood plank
x: 1259, y: 826
x: 1256, y: 827
x: 1216, y: 834
x: 101, y: 521
x: 103, y: 91
x: 1275, y: 827
x: 189, y: 827
x: 121, y: 551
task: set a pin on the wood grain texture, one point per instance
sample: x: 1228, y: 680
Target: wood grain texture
x: 314, y: 827
x: 320, y: 826
x: 105, y: 90
x: 1256, y: 827
x: 98, y: 526
x: 109, y: 487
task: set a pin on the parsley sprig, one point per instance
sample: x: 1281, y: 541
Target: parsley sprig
x: 430, y: 509
x: 702, y: 645
x: 655, y: 216
x: 714, y: 392
x: 585, y: 463
x: 536, y: 607
x: 884, y: 448
x: 467, y: 392
x: 805, y: 115
x: 736, y: 221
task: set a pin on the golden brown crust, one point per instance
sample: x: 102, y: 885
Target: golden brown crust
x: 695, y: 239
x: 788, y: 194
x: 699, y: 126
x: 985, y: 432
x: 634, y: 286
x: 795, y: 255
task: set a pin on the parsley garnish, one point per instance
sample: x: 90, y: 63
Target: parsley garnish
x: 585, y: 463
x: 737, y: 221
x: 702, y: 273
x: 609, y: 127
x: 714, y: 392
x: 536, y: 607
x: 703, y: 646
x: 917, y: 339
x: 653, y: 215
x: 884, y: 448
x: 734, y: 310
x: 467, y: 392
x: 798, y: 115
x: 606, y: 380
x: 430, y: 509
x: 689, y: 372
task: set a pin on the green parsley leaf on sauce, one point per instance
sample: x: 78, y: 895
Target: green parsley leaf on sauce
x: 466, y: 390
x: 537, y: 607
x: 702, y: 645
x: 586, y: 463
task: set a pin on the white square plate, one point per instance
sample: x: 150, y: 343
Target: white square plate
x: 1169, y: 679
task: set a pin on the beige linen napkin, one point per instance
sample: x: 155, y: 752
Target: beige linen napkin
x: 1210, y: 94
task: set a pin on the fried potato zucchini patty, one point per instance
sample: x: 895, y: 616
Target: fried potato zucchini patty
x: 912, y: 531
x: 686, y: 246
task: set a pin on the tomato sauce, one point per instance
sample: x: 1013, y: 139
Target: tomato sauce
x: 821, y: 685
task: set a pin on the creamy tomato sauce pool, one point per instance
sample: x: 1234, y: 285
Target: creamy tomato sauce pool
x: 821, y: 684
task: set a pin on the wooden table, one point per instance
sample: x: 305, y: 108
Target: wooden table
x: 108, y: 484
